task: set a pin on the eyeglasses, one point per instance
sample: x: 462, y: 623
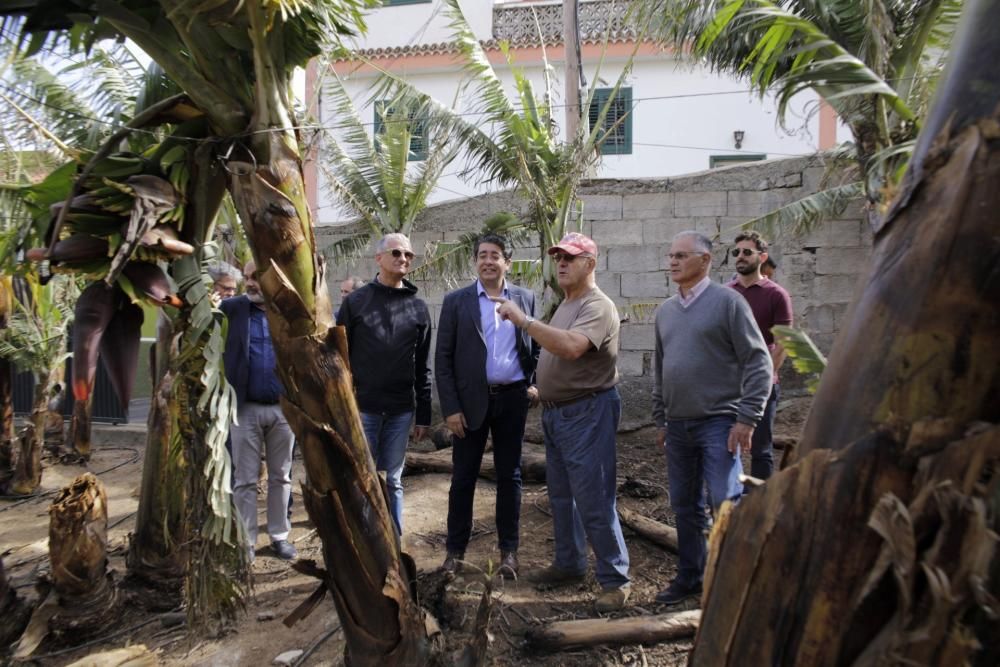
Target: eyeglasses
x: 681, y: 256
x: 397, y: 253
x: 747, y: 252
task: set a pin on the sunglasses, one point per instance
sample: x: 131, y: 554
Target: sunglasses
x: 397, y: 253
x: 558, y: 257
x: 747, y: 252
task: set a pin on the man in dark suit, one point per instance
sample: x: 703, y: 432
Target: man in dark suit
x: 485, y: 369
x: 250, y: 369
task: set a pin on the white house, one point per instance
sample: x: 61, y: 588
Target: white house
x: 683, y: 119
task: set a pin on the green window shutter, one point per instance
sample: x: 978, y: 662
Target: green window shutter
x: 619, y: 139
x: 418, y: 140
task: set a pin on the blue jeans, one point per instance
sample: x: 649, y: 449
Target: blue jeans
x: 580, y: 468
x: 387, y: 437
x: 697, y: 459
x: 762, y: 445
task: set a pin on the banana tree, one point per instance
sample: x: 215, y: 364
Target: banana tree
x: 127, y: 215
x: 63, y: 113
x: 524, y: 151
x: 878, y: 543
x: 876, y: 63
x: 235, y: 61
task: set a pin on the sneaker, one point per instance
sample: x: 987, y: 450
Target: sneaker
x: 677, y: 592
x: 508, y: 565
x: 284, y: 550
x: 554, y: 576
x: 612, y: 599
x: 453, y: 562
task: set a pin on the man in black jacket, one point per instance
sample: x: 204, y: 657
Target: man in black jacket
x: 485, y: 369
x: 389, y: 337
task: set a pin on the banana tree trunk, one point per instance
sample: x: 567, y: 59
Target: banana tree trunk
x: 6, y: 423
x: 78, y: 544
x: 887, y: 521
x: 55, y: 427
x: 157, y: 557
x: 372, y: 586
x: 79, y: 428
x: 6, y: 392
x: 28, y: 471
x: 14, y: 613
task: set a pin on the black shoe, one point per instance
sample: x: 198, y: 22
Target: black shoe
x: 453, y: 563
x: 677, y: 592
x: 284, y: 550
x: 508, y: 565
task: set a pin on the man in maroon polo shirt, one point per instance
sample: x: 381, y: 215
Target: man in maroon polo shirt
x: 771, y: 305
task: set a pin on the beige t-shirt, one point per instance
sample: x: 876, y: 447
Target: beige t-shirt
x: 594, y: 315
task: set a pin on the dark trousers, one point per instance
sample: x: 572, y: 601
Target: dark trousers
x: 762, y: 444
x: 505, y: 418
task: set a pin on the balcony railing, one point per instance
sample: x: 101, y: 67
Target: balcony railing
x: 522, y: 22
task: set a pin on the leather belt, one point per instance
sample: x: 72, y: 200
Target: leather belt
x: 497, y: 388
x: 570, y: 401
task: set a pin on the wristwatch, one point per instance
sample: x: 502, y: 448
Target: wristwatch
x: 528, y: 321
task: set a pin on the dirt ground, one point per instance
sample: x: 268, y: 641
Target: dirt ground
x: 259, y: 636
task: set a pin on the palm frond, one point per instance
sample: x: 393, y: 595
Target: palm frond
x: 801, y: 216
x: 452, y: 260
x: 790, y: 53
x: 806, y: 357
x: 349, y: 248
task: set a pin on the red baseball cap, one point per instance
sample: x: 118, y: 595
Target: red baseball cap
x: 575, y: 243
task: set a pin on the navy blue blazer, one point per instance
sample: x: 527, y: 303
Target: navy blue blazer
x: 236, y: 356
x: 460, y: 354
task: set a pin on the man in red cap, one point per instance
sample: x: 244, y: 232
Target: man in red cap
x: 576, y: 378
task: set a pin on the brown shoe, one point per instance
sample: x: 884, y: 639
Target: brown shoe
x: 508, y: 565
x: 554, y: 576
x: 612, y: 599
x: 453, y: 563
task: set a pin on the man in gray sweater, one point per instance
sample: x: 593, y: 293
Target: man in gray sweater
x: 712, y: 376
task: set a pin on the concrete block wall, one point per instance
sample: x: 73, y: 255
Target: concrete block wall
x: 633, y: 222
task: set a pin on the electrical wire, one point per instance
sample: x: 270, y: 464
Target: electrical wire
x: 24, y: 499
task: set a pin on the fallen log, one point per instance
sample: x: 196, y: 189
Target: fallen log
x: 532, y: 465
x: 563, y: 635
x: 651, y: 529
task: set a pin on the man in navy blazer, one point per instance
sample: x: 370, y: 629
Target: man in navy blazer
x: 250, y: 368
x: 485, y: 367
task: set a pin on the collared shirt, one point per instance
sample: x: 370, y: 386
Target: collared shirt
x: 693, y: 293
x: 503, y: 365
x: 263, y: 386
x: 770, y: 304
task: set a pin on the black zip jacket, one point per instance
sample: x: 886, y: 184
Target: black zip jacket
x: 389, y: 340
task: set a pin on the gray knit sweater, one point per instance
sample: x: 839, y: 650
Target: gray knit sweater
x: 710, y: 359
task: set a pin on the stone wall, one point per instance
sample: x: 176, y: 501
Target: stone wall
x: 633, y: 222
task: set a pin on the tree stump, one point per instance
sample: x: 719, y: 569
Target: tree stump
x: 78, y: 541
